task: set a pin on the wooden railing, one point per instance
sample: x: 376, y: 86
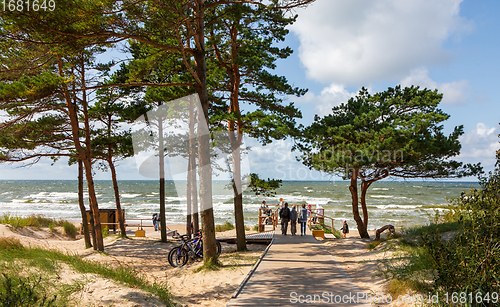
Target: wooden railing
x: 263, y: 217
x: 315, y: 219
x: 139, y: 225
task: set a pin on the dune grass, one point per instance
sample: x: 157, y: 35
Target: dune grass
x: 226, y: 226
x: 12, y: 252
x: 34, y: 220
x: 39, y: 221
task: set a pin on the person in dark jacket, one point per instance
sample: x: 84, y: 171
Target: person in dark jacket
x: 303, y: 220
x: 293, y: 221
x: 285, y: 217
x: 156, y: 221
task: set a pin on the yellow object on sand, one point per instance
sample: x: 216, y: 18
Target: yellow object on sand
x: 140, y: 233
x: 317, y: 233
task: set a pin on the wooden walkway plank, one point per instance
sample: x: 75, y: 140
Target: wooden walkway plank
x: 261, y: 237
x: 295, y: 269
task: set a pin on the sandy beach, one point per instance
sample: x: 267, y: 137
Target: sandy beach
x: 361, y: 264
x: 148, y: 256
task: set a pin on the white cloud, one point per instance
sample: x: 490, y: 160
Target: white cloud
x: 362, y: 41
x: 330, y: 96
x: 276, y: 160
x: 480, y: 145
x: 454, y: 92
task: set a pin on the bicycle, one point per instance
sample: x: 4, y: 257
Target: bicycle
x: 189, y: 248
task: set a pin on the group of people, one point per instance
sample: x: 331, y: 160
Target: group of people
x: 292, y: 216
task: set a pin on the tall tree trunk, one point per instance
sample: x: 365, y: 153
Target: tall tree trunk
x: 206, y: 207
x: 192, y: 169
x: 235, y: 140
x: 94, y: 206
x: 188, y: 200
x: 85, y: 222
x: 84, y: 155
x: 88, y: 161
x: 92, y: 229
x: 364, y: 187
x: 161, y: 157
x: 121, y: 218
x: 237, y: 189
x: 355, y: 210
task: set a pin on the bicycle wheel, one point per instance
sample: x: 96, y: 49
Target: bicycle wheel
x: 219, y: 247
x: 217, y: 243
x: 177, y: 256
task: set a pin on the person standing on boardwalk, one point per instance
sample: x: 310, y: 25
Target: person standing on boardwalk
x: 156, y: 221
x: 345, y: 229
x: 285, y: 217
x: 281, y: 204
x: 303, y: 220
x: 293, y: 221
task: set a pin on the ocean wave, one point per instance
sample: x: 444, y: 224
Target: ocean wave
x: 53, y: 195
x: 380, y: 189
x: 125, y: 195
x: 393, y: 206
x: 381, y: 196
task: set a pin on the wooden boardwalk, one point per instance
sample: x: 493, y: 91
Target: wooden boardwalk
x: 261, y: 237
x: 297, y: 270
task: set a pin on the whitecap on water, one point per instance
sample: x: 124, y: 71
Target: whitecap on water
x: 129, y: 195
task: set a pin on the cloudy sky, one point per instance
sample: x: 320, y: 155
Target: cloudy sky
x: 341, y: 46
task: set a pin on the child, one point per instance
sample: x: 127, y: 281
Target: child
x: 345, y: 229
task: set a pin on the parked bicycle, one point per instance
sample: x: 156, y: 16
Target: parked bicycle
x: 189, y: 248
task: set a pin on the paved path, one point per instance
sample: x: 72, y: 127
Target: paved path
x: 295, y: 266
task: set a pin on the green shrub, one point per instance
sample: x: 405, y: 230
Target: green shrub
x: 326, y: 229
x: 256, y: 228
x: 468, y: 262
x: 337, y: 233
x: 15, y: 291
x: 105, y: 231
x: 70, y: 230
x: 226, y: 226
x: 52, y: 227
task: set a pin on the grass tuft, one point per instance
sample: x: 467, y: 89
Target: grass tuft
x: 38, y: 220
x: 69, y: 229
x: 376, y: 243
x: 211, y: 265
x: 9, y: 244
x: 226, y: 226
x: 432, y: 229
x: 11, y: 250
x: 16, y: 291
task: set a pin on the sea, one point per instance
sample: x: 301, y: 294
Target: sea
x: 399, y: 203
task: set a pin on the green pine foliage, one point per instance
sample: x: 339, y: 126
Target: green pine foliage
x: 393, y: 133
x: 263, y: 187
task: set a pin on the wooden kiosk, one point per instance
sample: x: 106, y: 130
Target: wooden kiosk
x: 109, y: 217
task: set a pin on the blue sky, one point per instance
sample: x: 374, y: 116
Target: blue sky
x: 340, y: 46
